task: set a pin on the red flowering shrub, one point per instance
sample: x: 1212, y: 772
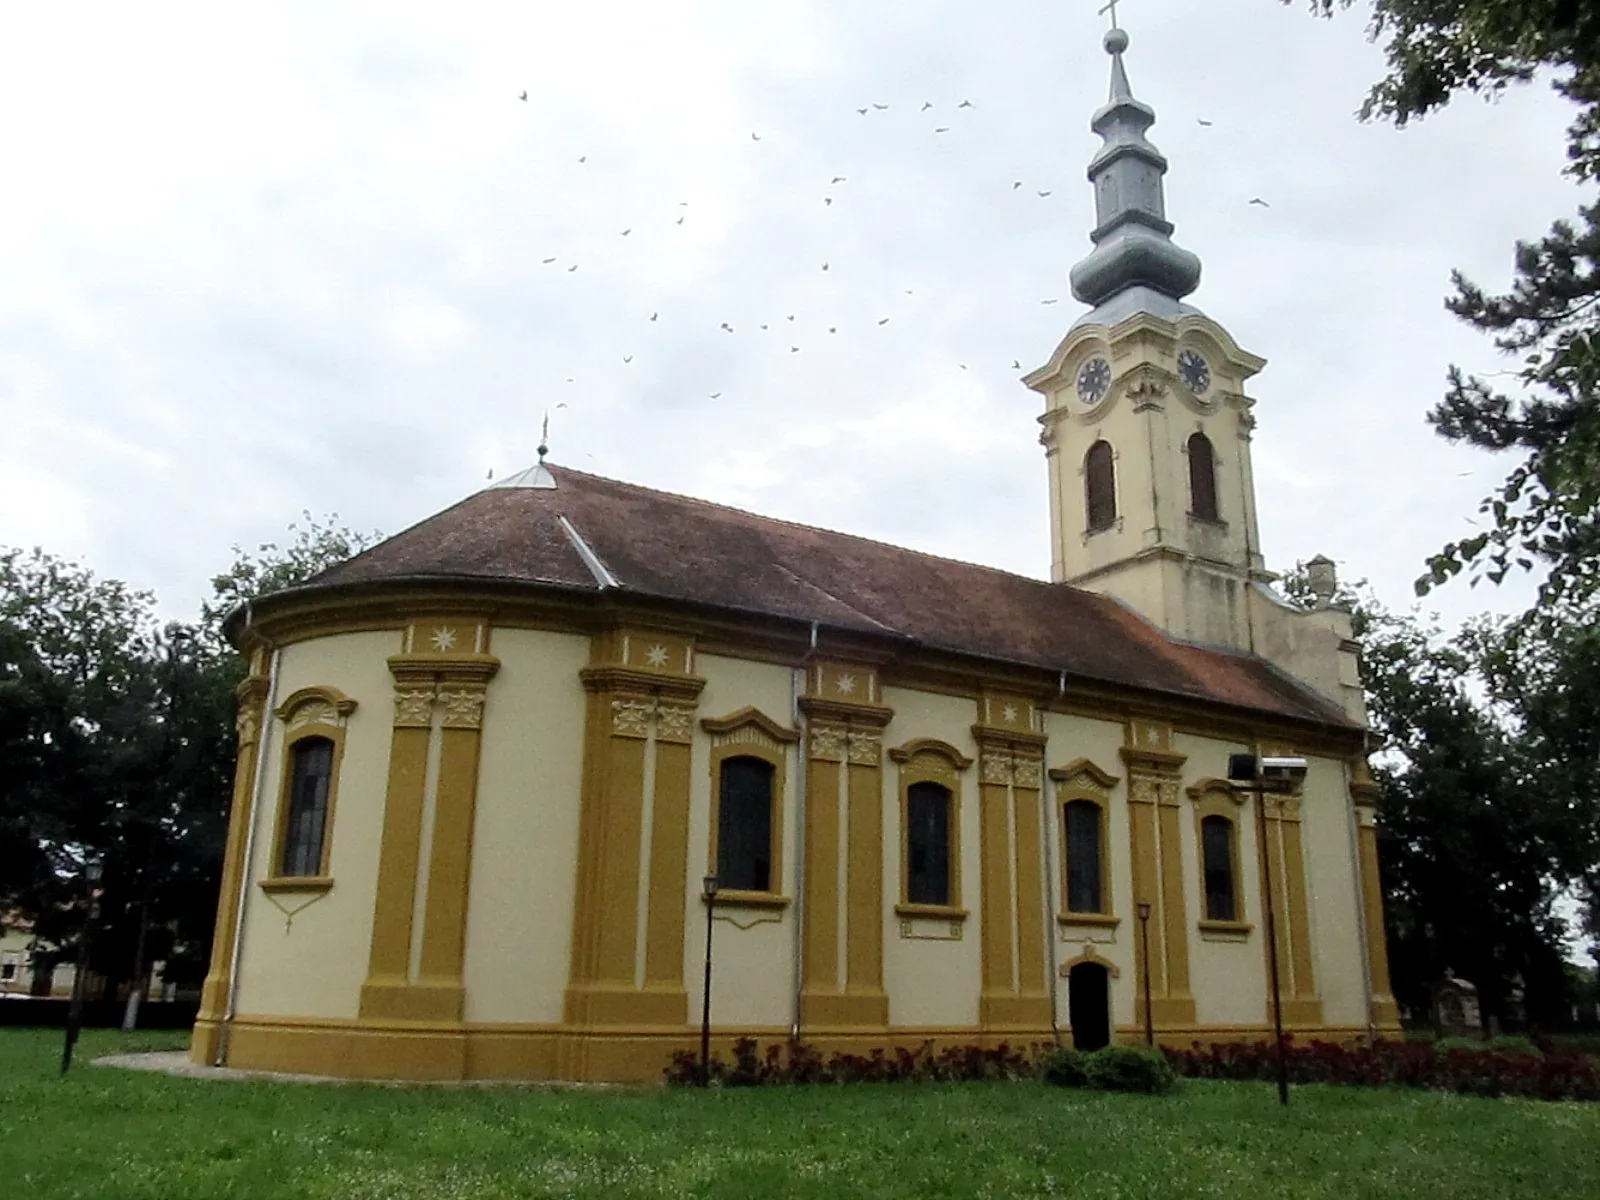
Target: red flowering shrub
x: 796, y: 1062
x: 1475, y: 1071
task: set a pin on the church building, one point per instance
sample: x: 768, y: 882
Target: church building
x: 485, y: 766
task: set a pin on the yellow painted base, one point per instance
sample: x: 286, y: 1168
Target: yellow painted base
x: 441, y: 1052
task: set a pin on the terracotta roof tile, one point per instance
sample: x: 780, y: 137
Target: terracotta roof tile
x: 674, y: 547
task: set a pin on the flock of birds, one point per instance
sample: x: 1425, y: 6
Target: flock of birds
x: 783, y: 326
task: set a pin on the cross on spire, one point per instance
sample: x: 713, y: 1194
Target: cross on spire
x: 544, y: 437
x: 1111, y: 7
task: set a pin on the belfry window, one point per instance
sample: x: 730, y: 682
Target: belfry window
x: 1100, y: 486
x: 1217, y: 855
x: 1085, y: 881
x: 744, y: 824
x: 306, y: 823
x: 1202, y: 478
x: 928, y: 856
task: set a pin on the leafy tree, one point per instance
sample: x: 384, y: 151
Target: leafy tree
x: 1477, y: 841
x: 1547, y: 511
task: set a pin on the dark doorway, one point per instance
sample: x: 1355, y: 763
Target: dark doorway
x: 1089, y: 1006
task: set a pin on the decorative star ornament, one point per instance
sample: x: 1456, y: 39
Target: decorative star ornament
x: 846, y: 685
x: 656, y: 656
x: 444, y: 638
x: 1009, y: 713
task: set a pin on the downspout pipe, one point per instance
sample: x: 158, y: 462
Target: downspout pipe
x: 803, y: 757
x: 1052, y: 893
x: 230, y: 1010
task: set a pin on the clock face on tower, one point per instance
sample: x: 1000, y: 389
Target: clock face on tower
x: 1094, y: 379
x: 1194, y: 371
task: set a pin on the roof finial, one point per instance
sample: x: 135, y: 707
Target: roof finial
x: 1134, y: 252
x: 544, y: 437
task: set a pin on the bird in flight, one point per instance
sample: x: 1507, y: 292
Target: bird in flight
x: 862, y: 111
x: 943, y: 129
x: 824, y: 266
x: 548, y: 261
x: 524, y: 96
x: 1048, y: 302
x: 880, y: 107
x: 583, y: 158
x: 654, y: 315
x: 885, y: 321
x: 1015, y: 185
x: 828, y: 201
x: 754, y: 137
x: 965, y: 104
x: 926, y: 104
x: 572, y: 268
x: 833, y: 329
x: 963, y: 366
x: 627, y: 358
x: 794, y: 349
x: 627, y: 231
x: 1044, y: 193
x: 1016, y: 364
x: 679, y: 221
x: 716, y: 395
x: 791, y: 316
x: 1205, y: 122
x: 837, y: 179
x: 763, y: 327
x: 1261, y: 202
x: 727, y: 327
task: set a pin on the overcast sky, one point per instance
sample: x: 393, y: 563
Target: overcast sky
x: 290, y: 256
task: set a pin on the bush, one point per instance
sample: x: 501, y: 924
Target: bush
x: 795, y: 1062
x: 1515, y: 1043
x: 1063, y: 1066
x: 1446, y: 1045
x: 1131, y: 1069
x: 1113, y: 1069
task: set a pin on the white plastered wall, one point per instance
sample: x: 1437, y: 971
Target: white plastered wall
x: 1332, y: 895
x: 932, y: 982
x: 305, y: 954
x: 753, y: 980
x: 1069, y: 739
x: 525, y: 841
x: 1226, y: 975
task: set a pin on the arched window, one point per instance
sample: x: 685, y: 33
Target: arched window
x: 306, y: 823
x: 1202, y: 478
x: 1085, y: 881
x: 1217, y: 857
x: 928, y: 811
x: 744, y: 824
x: 1100, y: 486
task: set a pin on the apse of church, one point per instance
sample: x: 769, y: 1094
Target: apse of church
x: 485, y: 765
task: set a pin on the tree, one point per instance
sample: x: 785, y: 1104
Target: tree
x: 1547, y: 511
x: 1477, y: 840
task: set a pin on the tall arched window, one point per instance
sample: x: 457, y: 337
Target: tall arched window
x: 1100, y: 486
x: 1085, y: 881
x: 744, y: 824
x: 928, y: 844
x: 1202, y: 478
x: 306, y: 825
x: 1217, y: 860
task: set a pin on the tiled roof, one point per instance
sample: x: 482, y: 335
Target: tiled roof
x: 672, y: 547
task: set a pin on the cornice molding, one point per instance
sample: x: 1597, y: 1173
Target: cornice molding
x: 641, y: 683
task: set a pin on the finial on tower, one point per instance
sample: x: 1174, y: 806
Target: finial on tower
x: 544, y: 437
x: 1134, y: 252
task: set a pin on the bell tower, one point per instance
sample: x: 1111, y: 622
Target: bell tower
x: 1147, y: 425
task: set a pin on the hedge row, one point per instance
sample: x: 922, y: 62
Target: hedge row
x: 1512, y: 1067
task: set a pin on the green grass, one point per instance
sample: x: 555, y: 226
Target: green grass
x: 110, y: 1133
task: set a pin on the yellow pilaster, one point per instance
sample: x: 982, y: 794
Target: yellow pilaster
x: 842, y: 990
x: 626, y: 970
x: 1157, y: 849
x: 1285, y: 850
x: 441, y: 684
x: 1014, y: 996
x: 1364, y: 794
x: 251, y: 696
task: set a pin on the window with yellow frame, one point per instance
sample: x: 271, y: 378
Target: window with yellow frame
x: 314, y: 721
x: 930, y: 828
x: 749, y: 759
x: 1218, y: 810
x: 1083, y: 804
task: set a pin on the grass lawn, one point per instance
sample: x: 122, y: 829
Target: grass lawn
x: 112, y: 1133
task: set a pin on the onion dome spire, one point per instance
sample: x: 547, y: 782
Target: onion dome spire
x: 1133, y: 247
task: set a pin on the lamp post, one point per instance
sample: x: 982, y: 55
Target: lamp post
x: 1260, y: 776
x: 708, y: 889
x: 1144, y: 948
x: 91, y: 876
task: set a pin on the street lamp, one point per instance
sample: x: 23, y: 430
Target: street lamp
x: 1144, y: 943
x: 91, y: 876
x: 1260, y: 776
x: 708, y: 889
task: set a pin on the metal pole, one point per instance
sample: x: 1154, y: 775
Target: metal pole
x: 1272, y: 941
x: 705, y: 1002
x: 1144, y: 941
